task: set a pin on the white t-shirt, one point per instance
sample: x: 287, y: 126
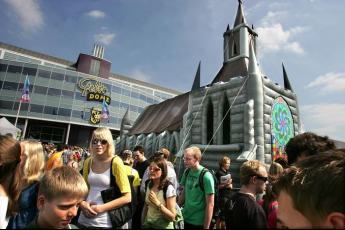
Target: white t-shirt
x: 3, y: 210
x: 97, y: 183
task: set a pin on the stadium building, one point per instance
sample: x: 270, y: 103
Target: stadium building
x: 66, y: 97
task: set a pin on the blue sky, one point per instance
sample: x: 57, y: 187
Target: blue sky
x: 162, y: 41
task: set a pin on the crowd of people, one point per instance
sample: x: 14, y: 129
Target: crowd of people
x: 47, y: 186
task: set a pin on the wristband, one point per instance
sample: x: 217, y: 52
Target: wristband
x: 160, y: 207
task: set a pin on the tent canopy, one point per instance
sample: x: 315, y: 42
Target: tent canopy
x: 7, y: 127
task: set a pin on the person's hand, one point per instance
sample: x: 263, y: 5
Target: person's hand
x: 229, y: 184
x: 98, y: 208
x: 87, y: 210
x: 153, y: 198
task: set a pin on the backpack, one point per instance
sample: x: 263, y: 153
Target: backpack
x: 216, y: 209
x: 178, y: 222
x: 86, y: 170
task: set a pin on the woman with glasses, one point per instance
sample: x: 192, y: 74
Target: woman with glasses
x: 99, y: 167
x: 160, y: 200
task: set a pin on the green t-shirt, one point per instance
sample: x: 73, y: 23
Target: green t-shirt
x: 195, y: 199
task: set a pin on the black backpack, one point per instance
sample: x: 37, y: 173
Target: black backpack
x: 216, y: 209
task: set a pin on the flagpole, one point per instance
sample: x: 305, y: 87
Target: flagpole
x: 20, y: 104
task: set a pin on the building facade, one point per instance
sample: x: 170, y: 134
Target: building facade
x: 67, y: 97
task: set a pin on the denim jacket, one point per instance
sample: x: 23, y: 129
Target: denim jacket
x: 27, y: 208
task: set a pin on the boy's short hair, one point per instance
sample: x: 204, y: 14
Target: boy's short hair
x: 249, y: 169
x: 196, y: 152
x: 139, y: 148
x: 307, y: 144
x: 316, y: 185
x: 63, y: 181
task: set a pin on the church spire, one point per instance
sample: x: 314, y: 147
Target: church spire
x: 253, y: 64
x: 239, y: 16
x: 125, y: 123
x: 196, y: 83
x: 287, y: 84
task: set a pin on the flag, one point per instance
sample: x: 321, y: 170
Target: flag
x: 105, y: 110
x: 25, y: 93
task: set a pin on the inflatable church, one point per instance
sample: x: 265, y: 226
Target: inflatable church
x: 241, y: 113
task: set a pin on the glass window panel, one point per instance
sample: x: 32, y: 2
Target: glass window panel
x: 143, y: 97
x: 64, y: 112
x: 50, y: 110
x: 149, y: 100
x: 116, y: 89
x: 126, y: 92
x: 134, y: 95
x: 6, y: 104
x: 54, y: 92
x: 57, y: 76
x: 72, y: 79
x: 134, y: 108
x: 44, y: 73
x: 78, y: 96
x: 3, y: 68
x: 23, y: 107
x: 36, y: 108
x: 29, y: 71
x: 14, y: 69
x: 77, y: 114
x: 40, y: 89
x: 66, y: 93
x: 10, y: 85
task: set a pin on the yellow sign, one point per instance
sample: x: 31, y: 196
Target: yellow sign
x: 95, y: 116
x: 88, y: 85
x: 98, y: 97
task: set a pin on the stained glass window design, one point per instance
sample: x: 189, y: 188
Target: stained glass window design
x: 282, y: 127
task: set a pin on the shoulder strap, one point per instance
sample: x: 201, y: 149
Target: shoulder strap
x: 165, y: 188
x: 201, y: 178
x: 86, y: 169
x: 147, y: 184
x: 112, y: 173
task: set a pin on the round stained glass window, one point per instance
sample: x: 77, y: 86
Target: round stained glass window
x: 282, y: 127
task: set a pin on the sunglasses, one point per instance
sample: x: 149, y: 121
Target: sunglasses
x: 154, y: 169
x: 264, y: 179
x: 96, y: 141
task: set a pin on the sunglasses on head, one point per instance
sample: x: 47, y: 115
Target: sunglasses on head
x: 96, y: 141
x: 154, y: 169
x: 264, y: 179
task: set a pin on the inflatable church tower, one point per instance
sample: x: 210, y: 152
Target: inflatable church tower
x: 241, y: 113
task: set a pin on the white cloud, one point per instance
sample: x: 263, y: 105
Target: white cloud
x: 140, y: 75
x: 329, y: 82
x: 274, y: 38
x: 96, y: 14
x: 29, y: 14
x: 325, y: 119
x: 105, y: 38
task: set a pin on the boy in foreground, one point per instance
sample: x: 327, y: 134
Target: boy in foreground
x: 61, y: 191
